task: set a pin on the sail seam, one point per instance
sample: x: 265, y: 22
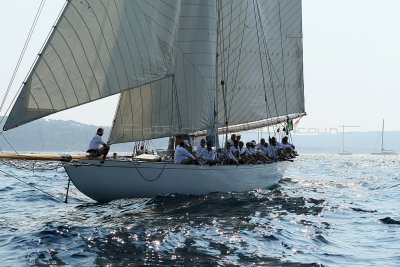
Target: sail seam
x: 108, y: 50
x: 76, y: 64
x: 84, y: 52
x: 127, y: 43
x: 44, y: 87
x: 66, y: 72
x: 55, y: 80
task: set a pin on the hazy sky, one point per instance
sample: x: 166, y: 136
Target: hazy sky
x: 351, y: 61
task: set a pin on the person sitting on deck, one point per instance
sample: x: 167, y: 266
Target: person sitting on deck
x: 258, y: 154
x: 235, y: 149
x: 232, y: 140
x: 245, y: 155
x: 226, y: 156
x: 94, y: 147
x: 289, y: 148
x: 231, y: 152
x: 182, y: 156
x: 140, y: 151
x: 208, y: 154
x: 275, y: 151
x: 201, y: 147
x: 262, y: 146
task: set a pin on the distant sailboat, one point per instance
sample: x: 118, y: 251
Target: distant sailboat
x: 344, y: 152
x: 383, y: 151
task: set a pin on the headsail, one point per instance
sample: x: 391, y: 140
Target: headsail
x: 181, y: 104
x: 97, y: 49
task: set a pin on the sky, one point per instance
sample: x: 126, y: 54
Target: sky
x: 351, y: 62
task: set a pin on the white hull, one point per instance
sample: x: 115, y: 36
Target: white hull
x: 125, y: 179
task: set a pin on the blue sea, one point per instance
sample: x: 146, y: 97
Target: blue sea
x: 328, y: 210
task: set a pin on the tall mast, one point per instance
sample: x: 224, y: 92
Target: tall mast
x: 383, y: 130
x: 216, y: 138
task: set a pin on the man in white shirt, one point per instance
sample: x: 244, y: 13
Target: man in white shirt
x: 182, y: 156
x: 94, y: 147
x: 233, y: 153
x: 201, y: 147
x: 245, y: 154
x: 208, y: 154
x: 262, y: 146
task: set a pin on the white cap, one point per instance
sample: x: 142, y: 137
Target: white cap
x: 186, y: 142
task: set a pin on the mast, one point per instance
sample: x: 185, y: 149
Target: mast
x: 216, y: 138
x: 383, y: 130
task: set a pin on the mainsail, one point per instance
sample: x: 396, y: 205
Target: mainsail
x: 98, y: 49
x: 260, y: 61
x: 238, y: 60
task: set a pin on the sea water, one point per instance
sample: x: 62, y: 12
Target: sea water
x: 328, y: 210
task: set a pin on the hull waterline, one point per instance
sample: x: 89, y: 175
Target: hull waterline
x: 124, y: 179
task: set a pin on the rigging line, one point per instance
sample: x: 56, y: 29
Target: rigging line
x: 34, y: 65
x: 240, y: 51
x: 261, y: 61
x: 223, y: 65
x: 141, y: 105
x: 135, y: 164
x: 269, y: 114
x: 229, y: 53
x: 178, y: 111
x: 283, y: 61
x: 271, y: 70
x: 39, y: 11
x: 36, y: 188
x: 2, y: 134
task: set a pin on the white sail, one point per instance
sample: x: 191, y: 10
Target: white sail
x: 97, y: 49
x: 259, y: 47
x: 183, y: 103
x: 260, y: 60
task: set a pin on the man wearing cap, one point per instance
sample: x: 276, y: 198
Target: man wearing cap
x: 182, y: 156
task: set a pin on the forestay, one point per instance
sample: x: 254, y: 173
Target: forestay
x: 97, y: 49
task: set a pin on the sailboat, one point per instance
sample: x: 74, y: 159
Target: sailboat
x: 344, y: 152
x: 384, y: 151
x: 180, y: 67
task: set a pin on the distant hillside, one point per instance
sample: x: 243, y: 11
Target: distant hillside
x: 54, y: 136
x: 71, y: 136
